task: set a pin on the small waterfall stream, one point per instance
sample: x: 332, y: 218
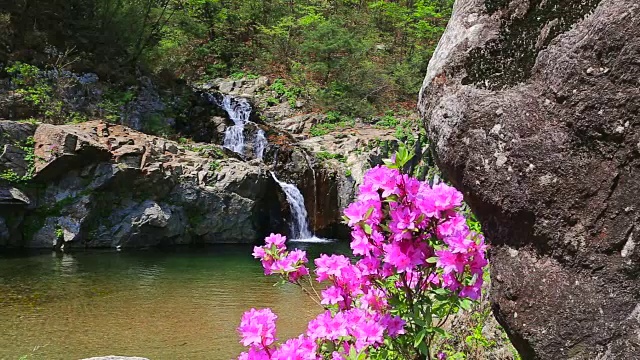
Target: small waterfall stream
x: 315, y: 189
x: 239, y: 111
x: 260, y: 144
x: 299, y: 224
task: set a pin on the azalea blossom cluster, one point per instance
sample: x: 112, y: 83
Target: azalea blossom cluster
x: 277, y: 260
x: 409, y: 241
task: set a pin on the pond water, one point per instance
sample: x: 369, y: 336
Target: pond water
x: 177, y: 304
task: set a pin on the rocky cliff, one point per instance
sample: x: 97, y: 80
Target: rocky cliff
x: 532, y: 109
x: 101, y: 185
x: 96, y: 184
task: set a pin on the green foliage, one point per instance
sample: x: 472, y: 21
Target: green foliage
x: 213, y: 151
x: 59, y: 233
x: 332, y: 122
x: 290, y: 92
x: 43, y: 94
x: 408, y: 132
x: 10, y: 176
x: 358, y: 58
x: 23, y: 74
x: 113, y: 103
x: 35, y: 89
x: 325, y: 155
x: 388, y: 121
x: 156, y: 124
x: 214, y: 166
x: 30, y: 159
x: 242, y: 75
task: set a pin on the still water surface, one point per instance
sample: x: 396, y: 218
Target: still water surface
x: 178, y: 304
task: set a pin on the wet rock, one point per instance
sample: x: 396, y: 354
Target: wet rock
x: 46, y: 237
x: 146, y: 224
x: 4, y: 232
x: 545, y: 150
x: 242, y: 87
x: 10, y: 195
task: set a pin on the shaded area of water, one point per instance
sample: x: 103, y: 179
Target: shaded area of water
x: 182, y: 304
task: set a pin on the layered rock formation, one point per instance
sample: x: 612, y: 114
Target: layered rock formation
x: 533, y: 111
x: 99, y: 185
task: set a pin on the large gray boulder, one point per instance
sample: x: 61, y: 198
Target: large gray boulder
x: 533, y: 109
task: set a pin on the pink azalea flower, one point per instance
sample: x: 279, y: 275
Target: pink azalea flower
x: 300, y: 348
x: 294, y: 276
x: 331, y: 295
x: 360, y: 243
x: 450, y: 282
x: 394, y: 325
x: 368, y: 265
x: 456, y: 224
x: 258, y: 327
x: 450, y: 261
x: 357, y: 211
x: 374, y: 299
x: 275, y: 239
x: 397, y: 223
x: 446, y: 197
x: 254, y: 354
x: 383, y: 179
x: 327, y: 266
x: 324, y: 326
x: 472, y: 292
x: 258, y: 252
x: 404, y: 255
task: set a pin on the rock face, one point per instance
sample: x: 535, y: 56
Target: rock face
x: 99, y: 185
x: 533, y: 111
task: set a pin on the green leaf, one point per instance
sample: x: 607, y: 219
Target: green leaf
x: 423, y: 348
x: 368, y: 214
x: 432, y: 260
x: 419, y: 337
x: 465, y: 304
x: 439, y: 331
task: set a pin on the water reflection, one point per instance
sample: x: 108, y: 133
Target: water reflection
x: 161, y: 305
x: 64, y: 264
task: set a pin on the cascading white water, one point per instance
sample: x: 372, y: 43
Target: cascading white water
x: 315, y: 189
x: 299, y: 224
x: 239, y: 111
x: 260, y: 144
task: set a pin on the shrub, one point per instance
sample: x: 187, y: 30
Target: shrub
x: 325, y: 155
x: 417, y: 263
x: 290, y: 92
x: 333, y: 121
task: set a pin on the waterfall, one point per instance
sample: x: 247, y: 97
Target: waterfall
x: 260, y: 144
x: 315, y: 190
x: 299, y: 224
x: 239, y: 111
